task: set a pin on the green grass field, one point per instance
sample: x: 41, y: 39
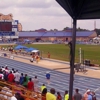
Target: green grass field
x: 61, y: 52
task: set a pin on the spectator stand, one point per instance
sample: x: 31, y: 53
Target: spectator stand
x: 17, y: 89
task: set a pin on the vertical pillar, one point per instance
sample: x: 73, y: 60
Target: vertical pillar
x: 72, y: 60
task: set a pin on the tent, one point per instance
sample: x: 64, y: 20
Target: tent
x: 30, y: 49
x: 20, y: 47
x: 24, y: 47
x: 35, y: 51
x: 78, y: 10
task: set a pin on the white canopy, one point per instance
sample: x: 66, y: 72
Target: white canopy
x: 35, y: 51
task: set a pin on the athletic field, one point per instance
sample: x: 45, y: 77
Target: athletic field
x: 61, y: 51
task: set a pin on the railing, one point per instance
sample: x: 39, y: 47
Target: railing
x: 17, y: 88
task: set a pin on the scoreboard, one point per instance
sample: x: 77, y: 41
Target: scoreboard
x: 9, y: 26
x: 5, y: 26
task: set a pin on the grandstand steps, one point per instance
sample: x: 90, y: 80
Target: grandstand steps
x: 17, y: 88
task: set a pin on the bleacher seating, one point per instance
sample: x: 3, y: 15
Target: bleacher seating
x: 26, y: 93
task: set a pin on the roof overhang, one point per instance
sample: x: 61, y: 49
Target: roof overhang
x: 81, y: 9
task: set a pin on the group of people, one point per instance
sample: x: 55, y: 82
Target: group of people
x: 88, y: 95
x: 13, y: 76
x: 35, y: 57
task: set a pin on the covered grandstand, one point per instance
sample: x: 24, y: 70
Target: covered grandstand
x: 58, y: 35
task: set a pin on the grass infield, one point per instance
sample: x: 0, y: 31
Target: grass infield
x: 61, y: 51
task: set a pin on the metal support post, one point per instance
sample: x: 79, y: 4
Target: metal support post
x: 72, y: 60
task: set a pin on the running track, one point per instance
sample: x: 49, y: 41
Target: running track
x: 59, y: 80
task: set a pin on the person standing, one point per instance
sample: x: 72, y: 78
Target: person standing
x: 33, y: 56
x: 89, y: 95
x: 12, y: 70
x: 48, y: 77
x: 11, y: 77
x: 17, y: 77
x: 48, y: 55
x: 30, y: 85
x: 21, y: 79
x: 51, y: 95
x: 26, y: 78
x: 59, y: 97
x: 36, y: 81
x: 37, y: 58
x: 44, y: 92
x: 85, y: 96
x: 77, y: 95
x: 6, y: 69
x: 66, y: 97
x: 5, y: 75
x: 43, y: 87
x: 93, y: 96
x: 31, y: 60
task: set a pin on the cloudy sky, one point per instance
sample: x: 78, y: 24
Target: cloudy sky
x: 36, y: 14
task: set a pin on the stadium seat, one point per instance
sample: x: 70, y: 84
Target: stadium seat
x: 27, y: 94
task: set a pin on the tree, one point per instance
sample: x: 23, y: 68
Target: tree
x: 66, y: 28
x: 78, y: 29
x: 55, y: 30
x: 97, y: 31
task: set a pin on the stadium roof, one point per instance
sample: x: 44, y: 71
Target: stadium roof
x: 54, y: 34
x: 78, y: 9
x: 81, y: 9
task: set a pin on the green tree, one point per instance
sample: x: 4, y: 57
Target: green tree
x: 65, y: 28
x: 97, y: 31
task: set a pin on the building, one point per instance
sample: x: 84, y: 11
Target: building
x: 19, y: 27
x: 9, y: 27
x: 58, y: 35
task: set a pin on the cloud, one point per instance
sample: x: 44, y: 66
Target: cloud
x: 7, y: 3
x: 34, y: 4
x: 35, y: 14
x: 26, y: 3
x: 52, y: 11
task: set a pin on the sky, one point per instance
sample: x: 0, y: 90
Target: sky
x: 36, y: 14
